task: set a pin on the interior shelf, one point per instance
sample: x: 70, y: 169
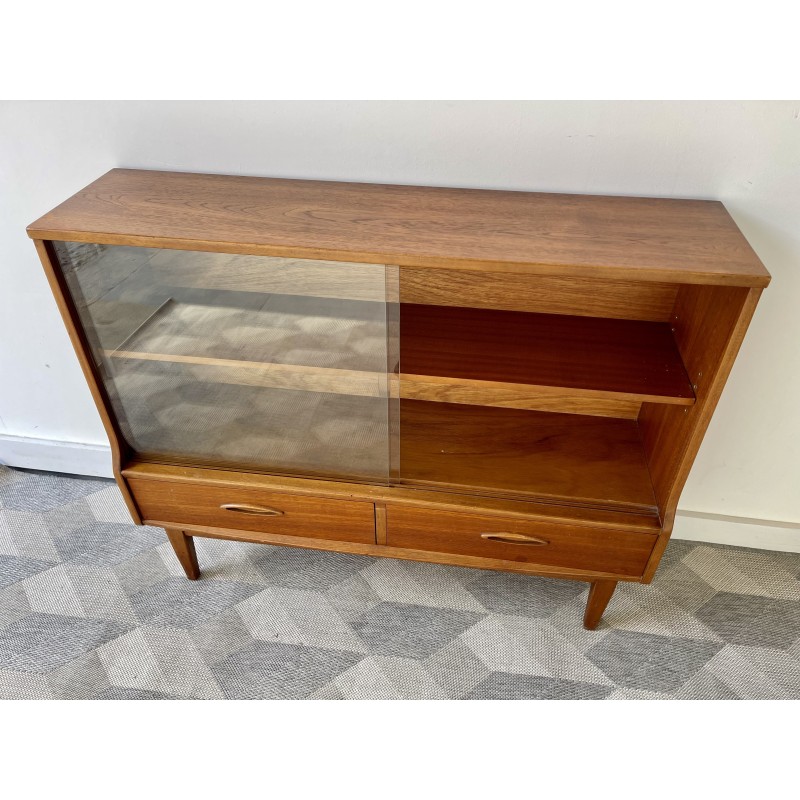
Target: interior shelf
x: 283, y: 384
x: 568, y: 458
x: 513, y: 359
x: 305, y: 344
x: 506, y: 359
x: 298, y: 377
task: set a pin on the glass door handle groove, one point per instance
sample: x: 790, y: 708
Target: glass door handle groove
x: 245, y: 508
x: 515, y: 538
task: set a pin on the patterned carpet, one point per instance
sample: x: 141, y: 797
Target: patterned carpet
x: 92, y: 606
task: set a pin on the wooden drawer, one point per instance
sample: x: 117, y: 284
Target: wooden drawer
x: 254, y: 510
x: 569, y: 546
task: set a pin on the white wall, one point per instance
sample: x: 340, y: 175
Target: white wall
x: 746, y: 154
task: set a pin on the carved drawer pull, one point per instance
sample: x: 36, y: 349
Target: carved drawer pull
x: 244, y: 508
x: 514, y: 538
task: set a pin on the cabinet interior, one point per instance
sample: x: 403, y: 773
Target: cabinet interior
x: 518, y: 386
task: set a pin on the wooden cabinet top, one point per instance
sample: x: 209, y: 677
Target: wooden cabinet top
x: 651, y: 239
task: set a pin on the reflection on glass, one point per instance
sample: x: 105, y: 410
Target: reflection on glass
x: 269, y: 364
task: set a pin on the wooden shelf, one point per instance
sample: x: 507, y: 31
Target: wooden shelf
x: 566, y: 458
x: 298, y: 377
x: 583, y: 365
x: 545, y: 362
x: 265, y: 346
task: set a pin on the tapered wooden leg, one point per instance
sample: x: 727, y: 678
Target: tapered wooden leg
x: 183, y: 546
x: 599, y: 595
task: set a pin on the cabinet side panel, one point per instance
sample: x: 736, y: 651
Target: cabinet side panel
x: 709, y: 323
x: 119, y: 448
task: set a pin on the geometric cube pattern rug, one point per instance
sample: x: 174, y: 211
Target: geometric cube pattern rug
x: 94, y: 607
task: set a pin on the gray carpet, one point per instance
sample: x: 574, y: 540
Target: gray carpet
x: 92, y: 606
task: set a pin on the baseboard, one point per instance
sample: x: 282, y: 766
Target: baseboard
x: 75, y: 458
x: 762, y: 534
x: 50, y: 455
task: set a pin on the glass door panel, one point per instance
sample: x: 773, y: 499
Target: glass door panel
x: 249, y: 362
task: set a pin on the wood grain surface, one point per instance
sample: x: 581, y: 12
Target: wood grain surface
x: 183, y: 546
x: 649, y: 239
x: 594, y: 461
x: 397, y: 495
x: 333, y: 279
x: 605, y: 356
x: 298, y: 377
x: 565, y: 546
x: 599, y: 595
x: 548, y: 362
x: 202, y: 504
x: 362, y: 548
x: 546, y: 294
x: 710, y: 323
x: 517, y: 395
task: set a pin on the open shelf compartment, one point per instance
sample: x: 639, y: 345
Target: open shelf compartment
x: 562, y: 458
x: 551, y: 362
x: 548, y: 362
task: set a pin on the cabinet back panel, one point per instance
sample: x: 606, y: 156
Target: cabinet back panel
x: 500, y: 452
x: 294, y: 276
x: 506, y: 291
x: 545, y: 294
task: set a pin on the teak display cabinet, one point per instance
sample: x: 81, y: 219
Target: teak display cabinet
x: 503, y: 380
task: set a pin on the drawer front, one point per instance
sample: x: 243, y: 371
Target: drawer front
x: 512, y: 539
x: 254, y: 510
